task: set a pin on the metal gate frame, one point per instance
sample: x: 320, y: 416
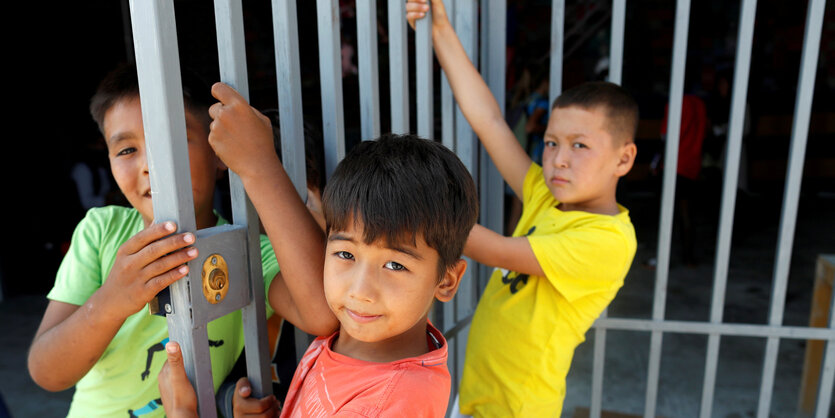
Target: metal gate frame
x: 455, y: 133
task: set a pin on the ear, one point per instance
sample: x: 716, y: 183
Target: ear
x: 448, y: 285
x: 626, y: 158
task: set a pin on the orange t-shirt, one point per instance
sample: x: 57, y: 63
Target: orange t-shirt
x: 328, y: 383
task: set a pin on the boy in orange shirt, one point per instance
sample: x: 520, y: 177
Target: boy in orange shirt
x: 398, y: 212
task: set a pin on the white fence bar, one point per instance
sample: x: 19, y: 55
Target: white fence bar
x: 667, y: 198
x: 828, y: 371
x: 723, y: 242
x: 800, y: 133
x: 368, y: 69
x: 615, y: 76
x: 398, y: 66
x: 286, y: 33
x: 695, y: 327
x: 330, y: 78
x: 163, y: 116
x: 557, y: 37
x: 424, y: 66
x: 231, y: 46
x: 447, y: 99
x: 616, y: 41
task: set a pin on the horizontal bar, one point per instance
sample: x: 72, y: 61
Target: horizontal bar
x: 738, y: 330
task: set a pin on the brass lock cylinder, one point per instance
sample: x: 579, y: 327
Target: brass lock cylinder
x: 215, y: 278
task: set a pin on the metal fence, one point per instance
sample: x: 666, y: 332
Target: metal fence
x: 487, y: 49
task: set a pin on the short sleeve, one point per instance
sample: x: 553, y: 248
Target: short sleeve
x: 269, y: 269
x: 80, y: 272
x: 584, y: 260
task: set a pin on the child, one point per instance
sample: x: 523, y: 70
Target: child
x: 398, y: 213
x: 572, y: 246
x: 95, y: 334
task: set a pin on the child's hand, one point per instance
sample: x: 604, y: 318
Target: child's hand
x: 145, y: 264
x: 178, y: 396
x: 244, y: 406
x: 417, y: 9
x: 240, y: 135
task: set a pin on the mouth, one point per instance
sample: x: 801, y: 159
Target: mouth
x: 361, y: 317
x: 559, y: 180
x: 147, y: 194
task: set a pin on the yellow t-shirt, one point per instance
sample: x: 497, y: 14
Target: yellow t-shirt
x: 525, y: 328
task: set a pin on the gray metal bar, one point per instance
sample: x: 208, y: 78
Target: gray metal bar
x: 158, y: 70
x: 825, y: 383
x: 288, y: 74
x: 557, y: 38
x: 598, y: 362
x: 286, y: 33
x: 368, y: 71
x: 800, y: 133
x: 330, y: 79
x: 693, y: 327
x: 616, y: 41
x: 466, y: 26
x: 447, y: 98
x: 723, y: 242
x: 615, y: 76
x: 495, y: 26
x: 424, y: 60
x: 398, y: 66
x: 667, y: 197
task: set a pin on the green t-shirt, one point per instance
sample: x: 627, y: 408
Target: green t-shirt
x: 123, y: 382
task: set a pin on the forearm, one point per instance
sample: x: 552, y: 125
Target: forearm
x: 61, y: 355
x: 299, y: 247
x: 479, y: 106
x: 496, y: 250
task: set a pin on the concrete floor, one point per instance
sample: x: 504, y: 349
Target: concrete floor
x: 748, y: 299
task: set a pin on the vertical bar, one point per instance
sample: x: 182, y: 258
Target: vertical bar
x: 286, y: 32
x: 286, y: 37
x: 557, y: 37
x: 330, y: 78
x: 616, y: 41
x: 828, y: 371
x: 723, y: 241
x: 615, y: 76
x: 233, y: 71
x: 398, y: 67
x: 158, y: 71
x: 667, y: 198
x: 788, y: 219
x: 424, y: 68
x: 368, y: 71
x: 447, y: 99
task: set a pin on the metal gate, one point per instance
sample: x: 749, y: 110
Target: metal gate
x: 486, y: 48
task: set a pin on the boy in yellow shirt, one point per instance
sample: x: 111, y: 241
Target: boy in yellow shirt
x: 570, y: 251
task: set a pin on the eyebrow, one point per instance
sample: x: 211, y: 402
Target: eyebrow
x: 567, y: 137
x: 119, y: 136
x: 405, y: 250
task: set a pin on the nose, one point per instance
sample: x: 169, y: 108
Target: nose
x: 143, y: 164
x: 560, y: 157
x: 363, y: 286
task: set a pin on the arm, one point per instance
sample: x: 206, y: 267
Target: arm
x: 509, y: 253
x: 242, y: 138
x: 178, y: 396
x: 474, y: 97
x: 71, y: 338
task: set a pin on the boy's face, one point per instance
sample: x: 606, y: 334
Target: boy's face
x: 379, y: 293
x: 581, y: 162
x: 125, y: 138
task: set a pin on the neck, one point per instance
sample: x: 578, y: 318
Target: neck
x: 411, y: 343
x: 599, y: 206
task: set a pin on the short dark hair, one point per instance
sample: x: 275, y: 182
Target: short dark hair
x: 620, y: 108
x: 399, y: 186
x: 123, y: 83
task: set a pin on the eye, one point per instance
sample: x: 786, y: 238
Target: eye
x: 345, y: 255
x: 550, y: 144
x: 126, y: 151
x: 393, y: 265
x: 579, y: 145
